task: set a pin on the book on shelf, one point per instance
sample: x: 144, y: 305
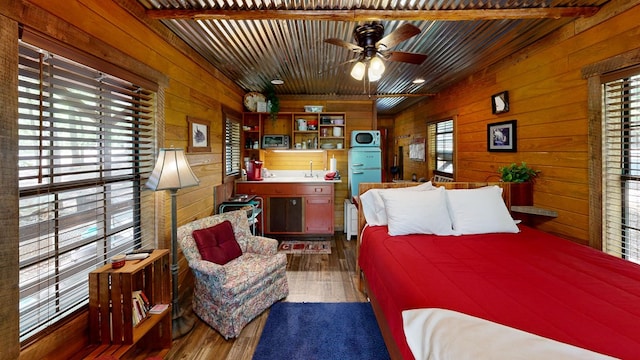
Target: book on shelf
x: 136, y: 313
x: 143, y: 298
x: 140, y: 304
x: 158, y: 308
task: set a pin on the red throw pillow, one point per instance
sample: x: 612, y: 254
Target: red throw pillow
x: 217, y: 244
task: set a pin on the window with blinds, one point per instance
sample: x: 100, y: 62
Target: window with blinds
x: 621, y: 164
x: 85, y: 150
x: 232, y: 152
x: 441, y: 147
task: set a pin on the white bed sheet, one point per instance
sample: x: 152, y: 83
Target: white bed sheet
x: 438, y: 334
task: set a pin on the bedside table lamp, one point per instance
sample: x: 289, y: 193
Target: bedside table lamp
x: 172, y: 172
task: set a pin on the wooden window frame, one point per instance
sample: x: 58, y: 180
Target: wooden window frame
x: 73, y: 186
x: 231, y: 115
x: 432, y: 144
x: 593, y: 73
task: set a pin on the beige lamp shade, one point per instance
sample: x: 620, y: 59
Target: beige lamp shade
x: 358, y: 70
x: 376, y: 69
x: 172, y: 171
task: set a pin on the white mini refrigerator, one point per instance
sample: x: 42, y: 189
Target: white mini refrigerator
x: 365, y: 165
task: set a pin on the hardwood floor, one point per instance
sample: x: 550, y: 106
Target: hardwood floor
x: 312, y: 278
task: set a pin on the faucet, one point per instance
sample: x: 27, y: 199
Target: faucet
x: 310, y: 169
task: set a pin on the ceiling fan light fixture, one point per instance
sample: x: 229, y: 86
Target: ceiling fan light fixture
x: 373, y: 76
x: 376, y: 67
x: 358, y: 70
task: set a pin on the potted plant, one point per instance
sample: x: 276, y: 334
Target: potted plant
x: 521, y: 177
x: 273, y: 103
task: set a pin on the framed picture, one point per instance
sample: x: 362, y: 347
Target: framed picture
x: 417, y: 150
x: 500, y: 102
x: 198, y: 135
x: 502, y: 136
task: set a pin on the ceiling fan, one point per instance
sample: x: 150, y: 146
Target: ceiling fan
x: 372, y: 48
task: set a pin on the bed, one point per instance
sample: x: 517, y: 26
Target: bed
x: 521, y: 290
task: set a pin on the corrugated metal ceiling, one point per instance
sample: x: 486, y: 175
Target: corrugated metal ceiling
x: 259, y: 47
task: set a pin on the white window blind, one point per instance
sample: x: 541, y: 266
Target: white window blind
x: 85, y: 150
x: 441, y: 146
x: 621, y: 164
x: 232, y: 146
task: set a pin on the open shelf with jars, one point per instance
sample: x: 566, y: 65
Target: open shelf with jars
x: 331, y: 131
x: 306, y: 130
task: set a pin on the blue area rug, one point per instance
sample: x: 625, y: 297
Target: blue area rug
x: 321, y: 331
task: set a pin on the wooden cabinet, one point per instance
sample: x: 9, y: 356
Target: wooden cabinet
x: 111, y: 304
x: 316, y: 220
x: 294, y: 208
x: 323, y: 131
x: 262, y: 188
x: 318, y: 204
x: 286, y: 214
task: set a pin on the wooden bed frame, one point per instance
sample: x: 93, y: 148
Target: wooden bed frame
x: 392, y: 347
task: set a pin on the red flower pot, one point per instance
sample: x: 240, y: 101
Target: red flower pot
x: 522, y: 194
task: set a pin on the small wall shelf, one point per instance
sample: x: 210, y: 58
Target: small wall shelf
x: 534, y: 210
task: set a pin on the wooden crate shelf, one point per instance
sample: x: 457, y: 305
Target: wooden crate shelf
x: 111, y: 305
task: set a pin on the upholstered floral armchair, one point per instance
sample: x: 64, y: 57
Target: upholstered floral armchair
x: 228, y: 296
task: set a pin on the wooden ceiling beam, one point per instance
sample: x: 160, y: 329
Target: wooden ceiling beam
x: 352, y: 97
x: 372, y: 15
x: 408, y: 95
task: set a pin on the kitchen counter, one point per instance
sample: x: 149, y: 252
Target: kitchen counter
x: 293, y: 203
x: 296, y: 176
x: 291, y: 179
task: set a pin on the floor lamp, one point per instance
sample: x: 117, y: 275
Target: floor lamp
x: 172, y: 172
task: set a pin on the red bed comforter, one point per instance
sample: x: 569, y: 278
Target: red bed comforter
x: 531, y: 281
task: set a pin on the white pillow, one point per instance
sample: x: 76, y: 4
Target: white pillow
x: 417, y: 212
x: 479, y: 211
x: 373, y: 207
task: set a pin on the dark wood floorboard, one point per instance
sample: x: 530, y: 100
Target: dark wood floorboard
x: 312, y: 278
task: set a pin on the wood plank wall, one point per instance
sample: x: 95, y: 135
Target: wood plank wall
x: 112, y: 31
x: 276, y: 160
x: 548, y: 98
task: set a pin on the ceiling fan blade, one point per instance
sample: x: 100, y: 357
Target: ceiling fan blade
x: 344, y: 44
x: 411, y: 58
x: 404, y: 32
